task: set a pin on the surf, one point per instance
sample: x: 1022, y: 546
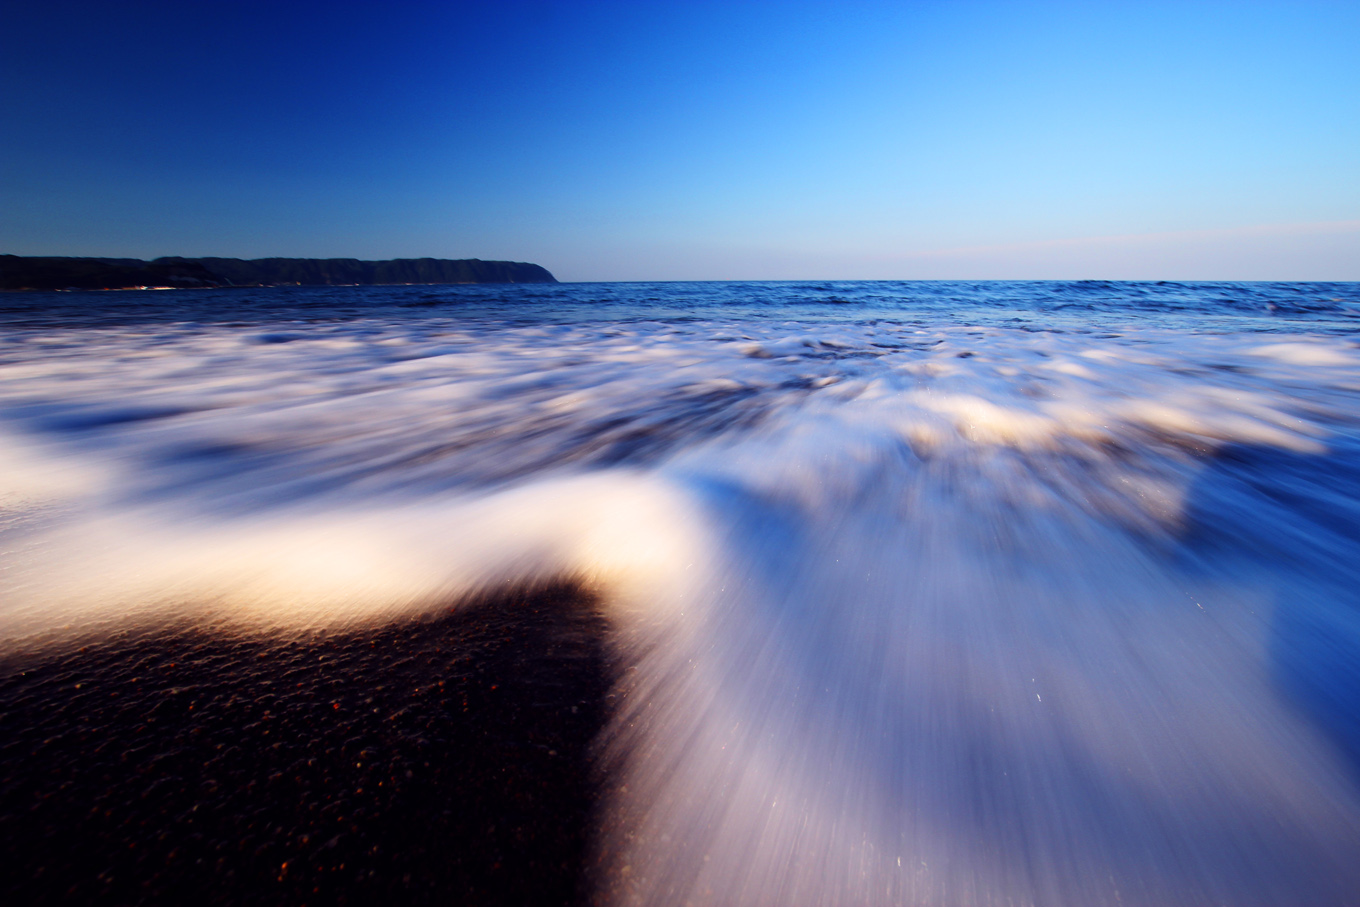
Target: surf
x: 895, y: 613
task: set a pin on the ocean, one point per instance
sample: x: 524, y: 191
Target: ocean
x: 947, y: 593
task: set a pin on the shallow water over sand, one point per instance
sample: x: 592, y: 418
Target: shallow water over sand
x: 915, y: 593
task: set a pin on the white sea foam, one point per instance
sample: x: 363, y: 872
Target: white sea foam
x: 1298, y: 353
x: 908, y: 617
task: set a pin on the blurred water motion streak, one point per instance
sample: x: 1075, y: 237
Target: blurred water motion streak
x: 924, y: 604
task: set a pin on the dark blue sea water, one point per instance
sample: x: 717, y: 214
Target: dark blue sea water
x: 1043, y: 304
x: 921, y: 593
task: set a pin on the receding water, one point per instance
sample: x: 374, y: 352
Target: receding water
x: 918, y: 593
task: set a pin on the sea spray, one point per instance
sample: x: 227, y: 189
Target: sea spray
x: 902, y: 611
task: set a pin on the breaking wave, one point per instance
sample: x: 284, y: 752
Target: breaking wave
x: 905, y: 613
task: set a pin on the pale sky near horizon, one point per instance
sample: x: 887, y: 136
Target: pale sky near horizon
x: 687, y: 140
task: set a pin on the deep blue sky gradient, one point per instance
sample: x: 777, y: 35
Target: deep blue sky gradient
x: 694, y: 140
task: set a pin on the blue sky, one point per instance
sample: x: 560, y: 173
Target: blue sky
x: 687, y: 140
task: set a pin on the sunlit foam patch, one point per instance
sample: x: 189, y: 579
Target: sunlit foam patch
x: 1308, y: 353
x: 1201, y: 416
x: 619, y: 533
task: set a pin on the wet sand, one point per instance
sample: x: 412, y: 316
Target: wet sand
x: 444, y: 760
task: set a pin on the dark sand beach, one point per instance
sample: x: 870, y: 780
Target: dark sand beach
x: 407, y: 763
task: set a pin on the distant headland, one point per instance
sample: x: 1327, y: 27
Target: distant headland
x: 26, y: 273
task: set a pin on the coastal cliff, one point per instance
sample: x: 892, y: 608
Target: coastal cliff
x: 27, y: 273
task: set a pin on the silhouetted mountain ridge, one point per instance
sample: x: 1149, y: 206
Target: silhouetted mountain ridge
x: 57, y: 273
